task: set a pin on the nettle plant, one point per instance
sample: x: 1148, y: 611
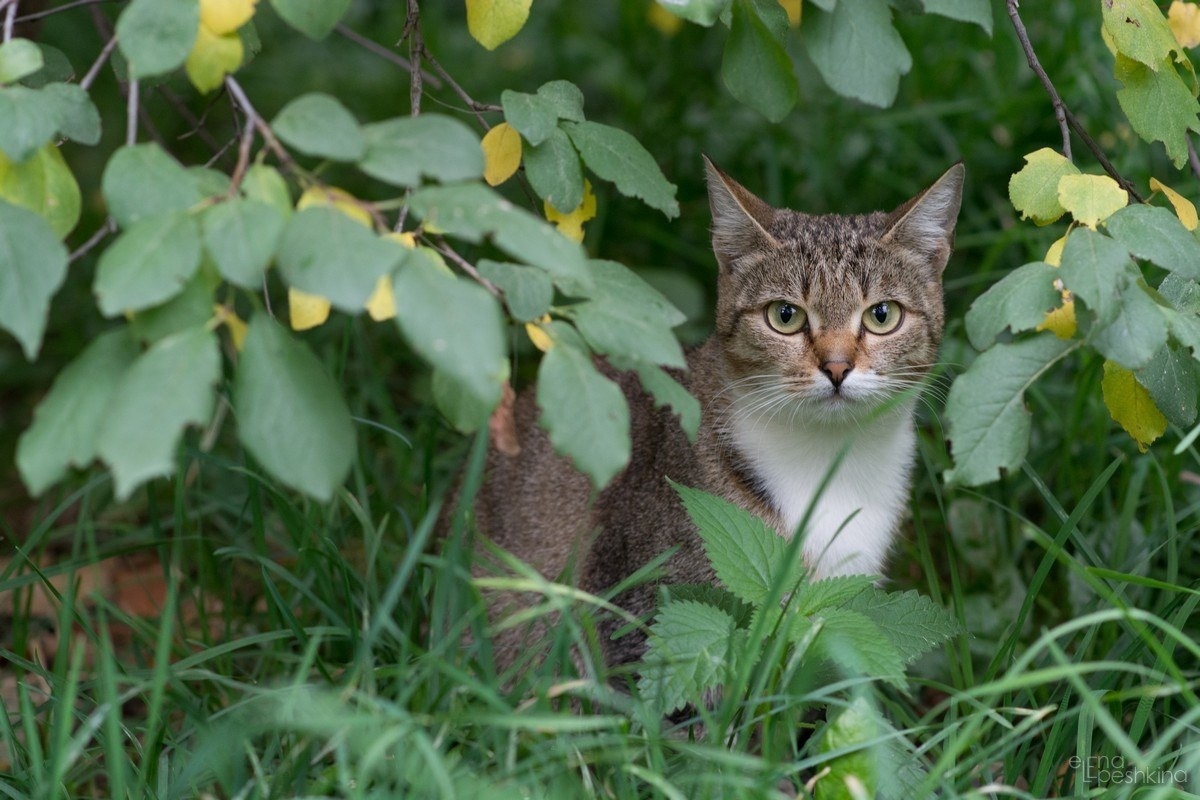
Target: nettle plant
x: 1121, y: 281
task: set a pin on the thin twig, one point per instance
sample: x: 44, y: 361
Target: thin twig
x: 104, y: 230
x: 94, y: 70
x: 198, y: 128
x: 384, y: 53
x: 476, y: 107
x: 468, y: 267
x: 1193, y: 159
x: 253, y: 118
x: 1095, y: 150
x: 131, y: 113
x: 1060, y: 109
x: 239, y: 170
x: 10, y: 17
x: 415, y: 47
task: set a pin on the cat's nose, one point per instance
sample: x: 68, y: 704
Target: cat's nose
x: 836, y: 371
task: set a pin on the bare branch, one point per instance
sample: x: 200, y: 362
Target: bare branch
x: 255, y: 120
x: 384, y: 53
x: 94, y: 70
x: 468, y: 267
x: 10, y: 18
x: 104, y: 230
x: 416, y: 46
x: 1193, y: 159
x: 131, y: 113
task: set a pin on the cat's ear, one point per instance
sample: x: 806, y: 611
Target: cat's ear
x: 740, y: 220
x: 924, y: 225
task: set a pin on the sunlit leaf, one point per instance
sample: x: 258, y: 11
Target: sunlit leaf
x: 494, y: 22
x: 306, y: 310
x: 212, y: 57
x: 1131, y: 405
x: 1184, y: 209
x: 226, y: 16
x: 1090, y: 199
x: 571, y: 224
x: 1034, y: 190
x: 501, y: 153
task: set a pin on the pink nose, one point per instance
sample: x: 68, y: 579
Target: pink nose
x: 836, y: 370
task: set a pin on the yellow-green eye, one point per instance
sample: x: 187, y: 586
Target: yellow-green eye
x: 786, y: 318
x: 883, y: 317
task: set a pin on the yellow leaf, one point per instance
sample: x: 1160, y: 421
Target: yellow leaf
x: 381, y: 304
x: 1054, y: 254
x: 225, y: 16
x: 237, y: 327
x: 1091, y: 199
x: 333, y: 197
x: 571, y: 225
x: 494, y: 22
x: 501, y: 153
x: 1034, y: 189
x: 1061, y: 321
x: 1184, y: 209
x: 1184, y: 19
x: 664, y: 21
x: 213, y: 57
x: 541, y: 340
x: 405, y: 238
x: 1131, y: 405
x: 794, y: 10
x: 306, y: 310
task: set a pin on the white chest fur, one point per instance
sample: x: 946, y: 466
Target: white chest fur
x: 854, y: 521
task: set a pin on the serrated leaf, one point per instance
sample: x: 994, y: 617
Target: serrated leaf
x: 501, y: 153
x: 1091, y: 199
x: 324, y: 252
x: 401, y: 151
x: 43, y: 184
x: 494, y: 22
x: 616, y: 156
x: 168, y: 388
x: 241, y: 236
x: 155, y: 36
x: 1033, y: 190
x: 835, y: 592
x: 857, y: 51
x: 19, y: 58
x: 553, y: 170
x: 455, y: 325
x: 318, y: 124
x: 690, y: 649
x: 290, y: 412
x: 534, y: 116
x: 615, y: 327
x: 314, y: 18
x: 746, y: 555
x: 528, y: 291
x: 66, y: 422
x: 33, y: 264
x: 852, y: 641
x: 1156, y: 235
x: 1159, y: 104
x: 27, y: 121
x: 75, y: 114
x: 212, y: 57
x: 1138, y: 30
x: 584, y: 413
x: 856, y: 774
x: 988, y: 421
x: 148, y: 264
x: 564, y: 97
x: 142, y: 180
x: 911, y: 621
x: 1183, y: 320
x: 1131, y: 405
x: 1173, y: 379
x: 472, y: 211
x: 1093, y: 266
x: 1137, y: 331
x: 755, y: 67
x: 1019, y: 301
x: 978, y: 12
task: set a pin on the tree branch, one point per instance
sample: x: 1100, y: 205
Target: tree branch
x: 94, y: 70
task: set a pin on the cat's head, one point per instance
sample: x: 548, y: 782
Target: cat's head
x: 833, y: 313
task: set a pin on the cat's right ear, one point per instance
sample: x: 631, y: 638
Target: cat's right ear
x: 740, y: 221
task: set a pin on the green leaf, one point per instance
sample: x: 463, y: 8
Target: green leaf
x: 473, y: 211
x: 43, y: 184
x: 319, y: 125
x: 852, y: 641
x: 33, y: 264
x: 241, y: 236
x: 988, y: 421
x: 455, y: 325
x: 912, y: 623
x: 1033, y: 190
x: 314, y: 18
x: 1137, y: 330
x: 826, y: 593
x: 55, y: 68
x: 149, y: 263
x: 466, y: 412
x: 66, y: 422
x: 702, y: 12
x: 528, y: 291
x: 616, y: 156
x: 209, y: 182
x: 18, y: 59
x: 1093, y: 266
x: 1184, y: 319
x: 857, y: 51
x: 534, y: 116
x: 553, y: 170
x: 668, y: 392
x: 141, y: 180
x: 1091, y: 199
x: 156, y: 36
x: 756, y: 69
x: 190, y: 308
x: 1157, y: 235
x: 400, y: 151
x: 1019, y: 301
x: 168, y: 388
x: 708, y: 594
x: 1131, y: 405
x: 1138, y: 30
x: 747, y: 556
x: 76, y: 114
x: 626, y: 330
x: 324, y: 252
x: 584, y: 413
x: 690, y: 649
x: 266, y: 185
x: 1159, y: 105
x: 27, y: 121
x: 290, y: 412
x: 564, y: 97
x: 855, y: 774
x: 978, y: 12
x: 1173, y: 379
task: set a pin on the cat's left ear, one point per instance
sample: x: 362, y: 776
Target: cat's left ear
x: 924, y: 225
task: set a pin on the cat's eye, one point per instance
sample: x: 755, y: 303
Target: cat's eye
x: 883, y: 317
x: 786, y: 318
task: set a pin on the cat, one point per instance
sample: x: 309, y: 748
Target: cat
x: 820, y: 321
